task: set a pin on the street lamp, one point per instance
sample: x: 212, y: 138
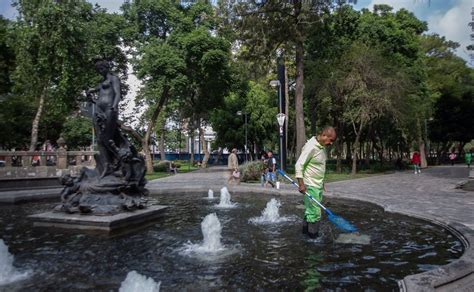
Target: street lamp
x: 239, y: 113
x: 281, y: 122
x: 276, y: 84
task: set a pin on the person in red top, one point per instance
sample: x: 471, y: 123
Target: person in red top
x: 416, y: 161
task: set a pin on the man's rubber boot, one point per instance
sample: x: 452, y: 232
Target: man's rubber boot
x: 305, y: 227
x: 313, y: 229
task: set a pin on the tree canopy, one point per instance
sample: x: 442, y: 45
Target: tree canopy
x: 387, y: 85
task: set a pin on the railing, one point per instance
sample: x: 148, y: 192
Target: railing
x: 23, y: 164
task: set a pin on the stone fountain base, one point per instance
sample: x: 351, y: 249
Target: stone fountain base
x: 108, y: 224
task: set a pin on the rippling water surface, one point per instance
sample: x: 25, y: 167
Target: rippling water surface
x: 268, y: 257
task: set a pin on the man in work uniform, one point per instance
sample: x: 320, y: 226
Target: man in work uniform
x: 310, y: 170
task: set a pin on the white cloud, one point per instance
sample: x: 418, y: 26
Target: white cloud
x: 410, y: 5
x: 8, y: 11
x: 453, y: 24
x: 111, y: 5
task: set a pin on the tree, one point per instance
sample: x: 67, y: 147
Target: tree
x: 162, y: 66
x: 49, y: 45
x: 452, y: 120
x: 450, y: 83
x: 53, y: 40
x: 270, y: 26
x: 7, y: 59
x: 178, y: 57
x: 258, y: 102
x: 370, y: 86
x: 77, y: 132
x: 395, y: 36
x: 208, y: 74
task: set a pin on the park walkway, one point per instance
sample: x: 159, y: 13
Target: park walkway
x: 432, y: 193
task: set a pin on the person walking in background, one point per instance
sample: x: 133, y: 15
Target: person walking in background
x: 416, y: 161
x: 263, y: 161
x: 310, y: 170
x: 233, y: 167
x: 452, y: 157
x: 271, y: 168
x: 468, y: 158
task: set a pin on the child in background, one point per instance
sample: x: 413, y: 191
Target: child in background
x: 416, y: 161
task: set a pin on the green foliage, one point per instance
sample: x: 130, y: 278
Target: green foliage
x: 162, y: 166
x: 77, y: 132
x: 55, y: 43
x: 453, y: 118
x: 260, y: 104
x: 251, y: 171
x: 16, y: 113
x: 7, y: 59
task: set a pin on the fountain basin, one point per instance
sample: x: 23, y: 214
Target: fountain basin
x: 270, y: 257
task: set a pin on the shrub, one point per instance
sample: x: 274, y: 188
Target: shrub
x: 251, y: 171
x: 161, y: 166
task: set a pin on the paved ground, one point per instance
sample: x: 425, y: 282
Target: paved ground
x: 431, y: 193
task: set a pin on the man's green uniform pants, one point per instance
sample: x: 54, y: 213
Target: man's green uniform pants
x: 312, y: 211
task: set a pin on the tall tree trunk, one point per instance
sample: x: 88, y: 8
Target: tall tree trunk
x: 300, y: 128
x: 338, y: 156
x: 421, y: 143
x: 131, y: 132
x: 36, y: 120
x: 349, y: 150
x: 162, y: 140
x: 287, y: 112
x: 149, y: 130
x: 339, y: 143
x: 191, y: 159
x: 204, y: 148
x: 354, y: 157
x: 367, y: 154
x: 358, y: 133
x: 313, y: 114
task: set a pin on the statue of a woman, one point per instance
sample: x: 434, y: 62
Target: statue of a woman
x: 118, y: 181
x: 106, y: 116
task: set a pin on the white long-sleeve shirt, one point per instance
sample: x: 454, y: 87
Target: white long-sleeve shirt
x: 311, y: 165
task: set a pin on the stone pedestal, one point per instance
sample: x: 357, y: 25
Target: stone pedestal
x: 62, y: 158
x: 118, y: 223
x: 471, y: 173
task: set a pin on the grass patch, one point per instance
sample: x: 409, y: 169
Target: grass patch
x: 185, y: 166
x: 333, y: 176
x: 156, y: 175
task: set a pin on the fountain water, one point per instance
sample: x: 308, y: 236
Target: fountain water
x: 134, y: 282
x: 8, y: 273
x: 271, y: 214
x: 210, y: 194
x: 264, y: 257
x: 225, y: 199
x: 211, y: 231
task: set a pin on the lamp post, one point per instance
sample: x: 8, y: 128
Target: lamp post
x: 281, y: 122
x: 239, y: 113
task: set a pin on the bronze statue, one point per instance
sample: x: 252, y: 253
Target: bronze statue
x: 118, y: 181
